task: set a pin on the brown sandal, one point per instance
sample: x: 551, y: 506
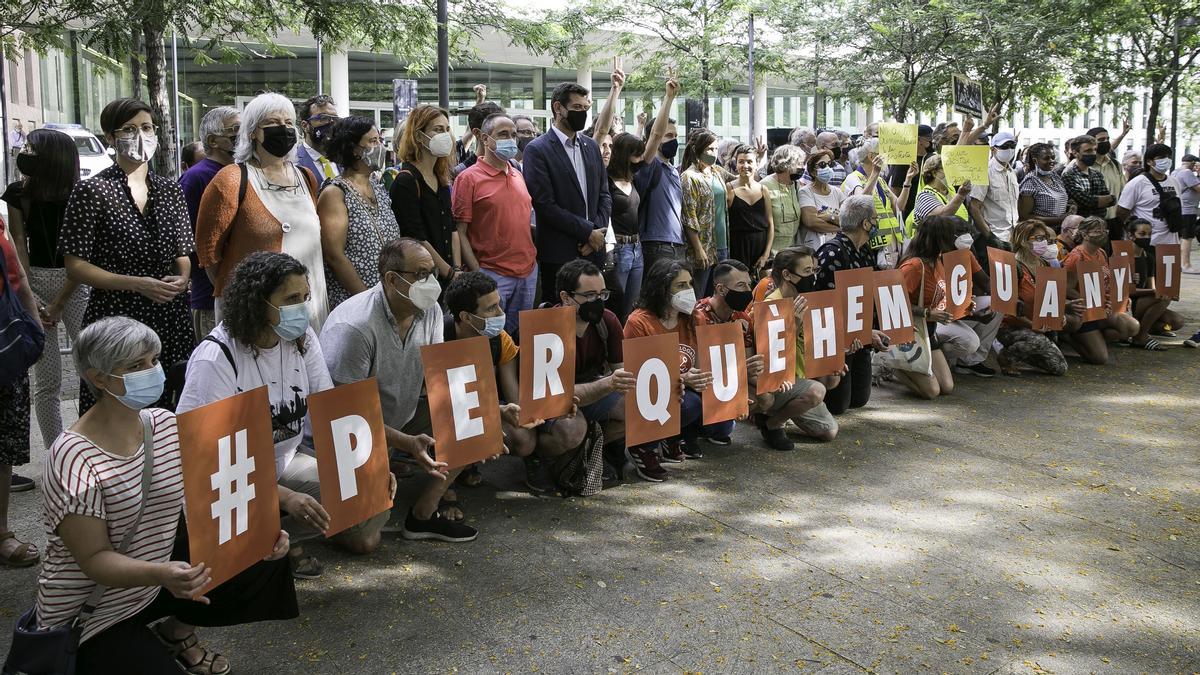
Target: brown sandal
x: 207, y: 663
x: 20, y: 555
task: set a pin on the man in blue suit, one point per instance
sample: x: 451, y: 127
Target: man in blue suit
x: 569, y: 188
x: 316, y: 118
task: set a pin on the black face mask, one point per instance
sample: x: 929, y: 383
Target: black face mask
x: 523, y: 142
x: 796, y: 177
x: 669, y: 148
x: 27, y: 164
x: 592, y: 311
x: 837, y: 152
x: 1142, y: 242
x: 321, y: 134
x: 805, y: 284
x: 738, y: 301
x: 278, y: 141
x: 576, y: 120
x: 1103, y: 148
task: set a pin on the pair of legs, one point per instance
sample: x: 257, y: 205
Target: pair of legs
x: 1027, y: 347
x: 47, y: 372
x: 551, y: 439
x: 301, y: 475
x: 940, y: 381
x: 1091, y: 338
x: 1152, y: 314
x: 14, y: 450
x: 854, y: 389
x: 630, y: 266
x: 804, y: 405
x: 966, y: 342
x: 516, y: 296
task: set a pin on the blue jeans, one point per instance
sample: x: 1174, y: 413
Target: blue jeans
x: 628, y: 259
x: 691, y: 416
x: 516, y: 296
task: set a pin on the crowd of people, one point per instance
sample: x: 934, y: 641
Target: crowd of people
x: 292, y: 254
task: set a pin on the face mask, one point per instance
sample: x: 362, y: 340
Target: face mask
x: 684, y: 301
x: 1005, y: 155
x: 278, y: 141
x: 1103, y: 148
x: 1041, y: 172
x: 423, y: 294
x: 1039, y: 248
x: 27, y: 164
x: 492, y: 325
x: 873, y: 231
x: 1099, y: 240
x: 139, y: 148
x: 293, y: 321
x: 592, y: 311
x: 373, y: 158
x: 506, y: 148
x: 708, y: 158
x: 738, y: 301
x: 523, y: 142
x: 1088, y: 160
x: 440, y: 145
x: 837, y: 152
x: 576, y: 120
x: 1051, y: 252
x: 1163, y: 164
x: 806, y: 284
x: 1142, y: 242
x: 963, y: 242
x: 796, y: 177
x: 825, y: 174
x: 143, y: 387
x: 669, y: 148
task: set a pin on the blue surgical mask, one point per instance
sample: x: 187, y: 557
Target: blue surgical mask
x: 507, y: 148
x: 293, y: 321
x: 825, y: 174
x: 492, y: 325
x: 142, y: 387
x: 1162, y: 164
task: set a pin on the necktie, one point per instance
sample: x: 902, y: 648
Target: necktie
x: 326, y: 166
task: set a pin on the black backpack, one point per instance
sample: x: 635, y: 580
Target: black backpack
x: 21, y: 338
x: 1170, y: 208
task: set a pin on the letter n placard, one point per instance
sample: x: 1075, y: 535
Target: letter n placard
x: 352, y: 454
x: 463, y: 403
x: 547, y: 384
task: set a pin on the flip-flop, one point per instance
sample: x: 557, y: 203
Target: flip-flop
x: 1150, y: 345
x: 1164, y: 333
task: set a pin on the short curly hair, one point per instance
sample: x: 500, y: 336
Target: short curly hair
x: 244, y: 302
x: 464, y: 292
x: 343, y: 142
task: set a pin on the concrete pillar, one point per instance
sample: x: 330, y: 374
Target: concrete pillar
x: 760, y: 110
x: 339, y: 81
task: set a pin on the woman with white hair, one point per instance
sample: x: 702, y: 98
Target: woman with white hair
x: 117, y: 548
x: 888, y: 240
x: 784, y: 183
x: 265, y: 201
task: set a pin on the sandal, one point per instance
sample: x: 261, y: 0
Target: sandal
x: 208, y: 661
x: 450, y: 510
x: 306, y: 567
x: 1150, y: 345
x: 1164, y: 333
x: 24, y: 555
x: 470, y: 477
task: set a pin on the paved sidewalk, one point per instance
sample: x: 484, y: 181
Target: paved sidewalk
x: 1034, y: 524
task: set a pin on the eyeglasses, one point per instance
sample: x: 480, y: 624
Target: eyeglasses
x: 231, y: 131
x: 419, y: 275
x: 323, y: 117
x: 148, y: 130
x: 593, y: 296
x: 824, y: 165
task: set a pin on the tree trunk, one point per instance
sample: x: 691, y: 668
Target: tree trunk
x: 704, y: 95
x: 160, y: 106
x: 1156, y: 96
x: 135, y: 63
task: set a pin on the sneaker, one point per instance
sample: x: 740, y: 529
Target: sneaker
x: 777, y: 439
x: 608, y: 477
x: 645, y: 460
x: 1191, y: 270
x: 979, y: 370
x: 20, y: 484
x: 692, y: 449
x: 1193, y: 342
x: 436, y: 528
x: 536, y: 478
x: 306, y: 567
x: 672, y: 453
x: 720, y: 440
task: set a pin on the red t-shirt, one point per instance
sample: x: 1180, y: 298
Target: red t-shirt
x: 1026, y: 287
x: 935, y: 281
x: 496, y: 206
x: 593, y: 353
x: 1077, y: 254
x: 642, y: 324
x: 704, y: 315
x: 12, y: 264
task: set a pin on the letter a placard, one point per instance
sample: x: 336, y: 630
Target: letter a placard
x: 1049, y: 299
x: 824, y: 334
x: 892, y: 307
x: 652, y: 408
x: 547, y: 382
x: 463, y: 402
x: 352, y: 454
x: 775, y: 339
x: 229, y: 488
x: 1002, y: 268
x: 957, y: 265
x: 722, y: 350
x: 1167, y: 268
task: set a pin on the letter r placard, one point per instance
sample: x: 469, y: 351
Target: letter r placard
x: 463, y: 402
x: 652, y: 407
x: 547, y: 382
x: 352, y: 455
x: 229, y: 488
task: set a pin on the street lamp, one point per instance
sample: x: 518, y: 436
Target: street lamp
x: 1182, y: 22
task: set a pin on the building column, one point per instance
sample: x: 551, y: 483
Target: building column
x: 339, y: 81
x: 583, y: 73
x: 760, y: 109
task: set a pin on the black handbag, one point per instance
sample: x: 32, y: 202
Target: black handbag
x: 52, y: 651
x: 21, y: 338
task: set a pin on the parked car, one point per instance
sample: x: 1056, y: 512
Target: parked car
x: 93, y: 156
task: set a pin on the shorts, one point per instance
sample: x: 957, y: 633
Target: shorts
x: 599, y: 411
x: 815, y: 420
x: 421, y: 422
x: 1090, y: 326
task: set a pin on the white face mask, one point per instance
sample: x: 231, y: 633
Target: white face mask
x: 1051, y: 252
x: 1162, y: 164
x: 139, y: 148
x: 963, y: 242
x: 684, y: 301
x: 440, y: 145
x: 422, y: 294
x: 1005, y: 156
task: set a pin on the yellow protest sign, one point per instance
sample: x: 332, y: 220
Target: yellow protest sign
x: 964, y: 163
x: 898, y: 142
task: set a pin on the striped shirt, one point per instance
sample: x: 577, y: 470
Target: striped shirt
x: 83, y: 479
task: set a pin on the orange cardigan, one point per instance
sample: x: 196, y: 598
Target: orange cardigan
x: 225, y: 234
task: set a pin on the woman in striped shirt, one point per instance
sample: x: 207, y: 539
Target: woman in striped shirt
x: 93, y: 488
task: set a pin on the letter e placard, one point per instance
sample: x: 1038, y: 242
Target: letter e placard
x: 463, y: 402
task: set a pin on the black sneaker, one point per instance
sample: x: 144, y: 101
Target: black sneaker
x: 777, y: 439
x: 1191, y: 343
x: 609, y: 477
x: 436, y: 528
x: 20, y: 484
x: 536, y: 478
x: 691, y: 449
x: 720, y: 440
x: 981, y: 370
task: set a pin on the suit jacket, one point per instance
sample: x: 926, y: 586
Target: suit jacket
x: 565, y: 219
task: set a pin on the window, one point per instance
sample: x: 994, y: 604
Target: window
x: 30, y: 86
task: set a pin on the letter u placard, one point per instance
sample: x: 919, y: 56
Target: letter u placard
x: 652, y: 408
x: 722, y: 348
x: 464, y: 405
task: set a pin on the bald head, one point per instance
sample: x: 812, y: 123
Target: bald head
x: 827, y: 140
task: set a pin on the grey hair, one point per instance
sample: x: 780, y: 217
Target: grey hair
x: 855, y: 211
x: 789, y: 158
x: 213, y: 122
x: 725, y: 149
x: 870, y: 145
x: 113, y: 342
x: 797, y: 136
x: 257, y: 110
x: 492, y: 120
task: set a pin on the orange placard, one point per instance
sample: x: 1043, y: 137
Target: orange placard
x: 959, y: 283
x: 1120, y: 269
x: 1091, y: 276
x: 547, y: 381
x: 1123, y: 248
x: 1167, y: 271
x: 775, y: 341
x: 893, y: 308
x: 463, y: 404
x: 1002, y: 268
x: 352, y: 454
x: 1049, y: 299
x: 652, y: 408
x: 824, y: 334
x: 229, y: 489
x: 722, y: 350
x: 857, y: 289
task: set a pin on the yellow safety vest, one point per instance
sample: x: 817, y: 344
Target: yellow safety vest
x: 911, y: 224
x: 889, y: 224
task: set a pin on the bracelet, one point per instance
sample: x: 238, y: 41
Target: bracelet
x: 907, y: 185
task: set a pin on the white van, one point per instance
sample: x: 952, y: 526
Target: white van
x: 93, y: 156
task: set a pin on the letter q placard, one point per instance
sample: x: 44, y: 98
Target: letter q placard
x: 463, y: 402
x: 547, y: 383
x: 352, y: 456
x: 652, y: 408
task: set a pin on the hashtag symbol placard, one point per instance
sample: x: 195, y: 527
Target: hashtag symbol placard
x: 232, y: 500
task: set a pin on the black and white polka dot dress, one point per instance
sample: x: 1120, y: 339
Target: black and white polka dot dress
x: 369, y: 226
x: 103, y: 226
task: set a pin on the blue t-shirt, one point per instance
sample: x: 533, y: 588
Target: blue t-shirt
x: 192, y: 183
x: 662, y: 198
